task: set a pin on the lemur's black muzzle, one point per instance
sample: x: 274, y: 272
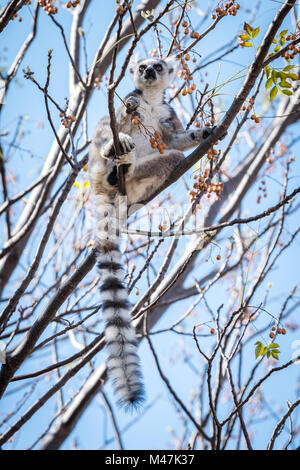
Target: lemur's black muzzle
x: 150, y: 73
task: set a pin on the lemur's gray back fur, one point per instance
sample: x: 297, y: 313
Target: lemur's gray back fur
x: 146, y: 170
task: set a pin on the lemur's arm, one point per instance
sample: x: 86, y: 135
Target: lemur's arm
x: 188, y: 139
x: 103, y: 134
x: 176, y: 137
x: 127, y: 110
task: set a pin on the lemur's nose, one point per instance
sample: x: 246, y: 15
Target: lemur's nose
x: 150, y: 72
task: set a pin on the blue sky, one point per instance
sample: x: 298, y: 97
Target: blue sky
x: 153, y: 430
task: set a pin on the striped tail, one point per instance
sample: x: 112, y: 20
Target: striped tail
x: 123, y: 361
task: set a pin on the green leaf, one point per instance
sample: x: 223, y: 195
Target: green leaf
x: 274, y: 41
x: 247, y: 44
x: 258, y: 350
x: 287, y: 92
x: 277, y: 48
x: 288, y: 67
x: 248, y: 28
x: 282, y: 41
x: 265, y: 350
x: 285, y: 84
x: 268, y: 354
x: 275, y: 355
x: 268, y: 83
x: 273, y: 93
x: 255, y: 32
x: 274, y: 76
x: 283, y: 32
x: 274, y: 345
x: 268, y: 71
x: 244, y: 37
x: 293, y: 76
x: 282, y: 75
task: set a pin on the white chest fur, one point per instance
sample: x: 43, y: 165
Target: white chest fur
x: 150, y: 115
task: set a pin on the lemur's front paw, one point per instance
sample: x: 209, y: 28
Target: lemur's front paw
x: 126, y: 146
x: 198, y: 135
x: 207, y: 131
x: 132, y: 103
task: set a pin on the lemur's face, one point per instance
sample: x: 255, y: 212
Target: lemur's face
x: 152, y: 73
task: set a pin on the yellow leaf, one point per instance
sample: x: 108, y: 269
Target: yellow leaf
x: 248, y: 28
x: 86, y: 184
x: 244, y: 37
x: 76, y: 184
x: 293, y: 76
x: 273, y: 92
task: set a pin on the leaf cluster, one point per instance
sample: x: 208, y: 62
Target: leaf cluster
x: 270, y: 350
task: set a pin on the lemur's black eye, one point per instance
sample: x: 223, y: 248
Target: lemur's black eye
x: 158, y: 67
x: 142, y: 68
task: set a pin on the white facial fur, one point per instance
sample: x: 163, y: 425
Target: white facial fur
x: 153, y: 72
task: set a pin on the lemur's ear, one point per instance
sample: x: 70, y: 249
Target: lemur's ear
x: 133, y: 65
x: 172, y: 64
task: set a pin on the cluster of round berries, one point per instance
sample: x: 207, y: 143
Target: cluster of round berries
x: 97, y: 83
x: 135, y: 120
x: 27, y: 2
x: 230, y: 8
x: 292, y: 47
x: 216, y: 188
x: 155, y: 139
x: 119, y: 8
x: 279, y: 331
x: 163, y: 226
x: 16, y: 16
x: 186, y: 31
x: 153, y: 52
x: 208, y: 123
x: 263, y: 189
x: 201, y: 185
x: 186, y: 74
x: 48, y: 7
x: 157, y: 142
x: 73, y: 4
x: 282, y: 149
x: 212, y: 153
x: 65, y: 120
x: 268, y: 158
x: 255, y: 118
x: 249, y: 106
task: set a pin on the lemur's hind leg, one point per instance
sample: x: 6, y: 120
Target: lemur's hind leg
x: 103, y: 165
x: 150, y: 172
x: 126, y: 147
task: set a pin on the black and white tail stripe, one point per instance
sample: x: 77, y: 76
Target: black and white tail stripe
x: 123, y: 361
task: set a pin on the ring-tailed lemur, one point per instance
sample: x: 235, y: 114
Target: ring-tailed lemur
x: 146, y: 169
